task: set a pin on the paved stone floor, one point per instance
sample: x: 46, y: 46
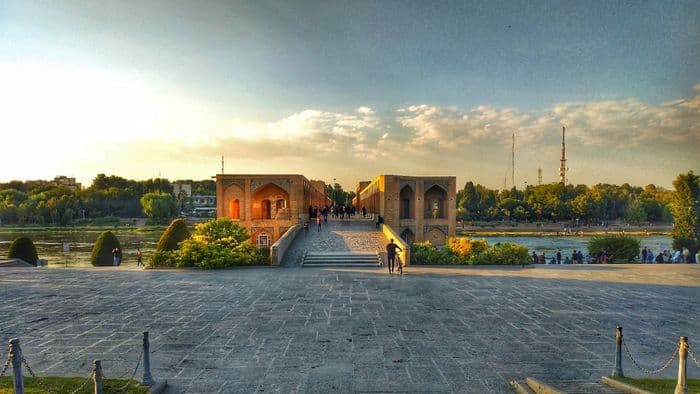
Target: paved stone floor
x: 331, y: 330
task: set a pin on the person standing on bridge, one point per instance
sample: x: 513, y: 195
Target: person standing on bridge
x: 391, y: 254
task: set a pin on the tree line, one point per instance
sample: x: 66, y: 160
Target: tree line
x: 41, y: 202
x: 559, y: 202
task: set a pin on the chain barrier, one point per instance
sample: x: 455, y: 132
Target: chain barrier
x: 38, y: 379
x: 7, y: 365
x: 133, y: 374
x: 649, y: 371
x: 85, y: 382
x: 692, y: 357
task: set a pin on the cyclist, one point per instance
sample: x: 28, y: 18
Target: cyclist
x: 391, y: 254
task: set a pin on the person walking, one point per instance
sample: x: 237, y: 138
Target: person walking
x: 391, y: 254
x: 558, y: 256
x: 318, y: 223
x: 139, y: 255
x: 306, y: 227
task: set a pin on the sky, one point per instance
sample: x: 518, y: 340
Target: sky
x: 350, y: 90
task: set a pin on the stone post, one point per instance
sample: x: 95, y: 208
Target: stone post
x: 617, y: 368
x: 147, y: 379
x: 16, y: 354
x: 97, y: 376
x: 682, y: 386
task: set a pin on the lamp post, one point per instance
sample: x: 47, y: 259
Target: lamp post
x: 333, y: 189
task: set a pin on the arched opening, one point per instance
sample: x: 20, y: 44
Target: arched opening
x: 406, y: 198
x: 436, y: 236
x: 270, y: 202
x: 265, y: 209
x: 234, y: 198
x: 434, y: 207
x: 234, y: 209
x: 262, y: 240
x: 408, y: 236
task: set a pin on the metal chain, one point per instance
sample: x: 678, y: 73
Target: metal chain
x: 648, y: 371
x: 133, y: 374
x: 7, y: 365
x: 690, y: 351
x: 85, y: 382
x: 38, y: 379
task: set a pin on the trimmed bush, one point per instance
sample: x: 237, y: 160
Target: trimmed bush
x: 173, y: 235
x: 425, y: 253
x: 502, y: 254
x: 102, y: 250
x: 620, y: 247
x: 23, y: 248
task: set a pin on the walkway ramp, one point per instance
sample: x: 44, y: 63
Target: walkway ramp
x: 342, y: 259
x: 339, y: 242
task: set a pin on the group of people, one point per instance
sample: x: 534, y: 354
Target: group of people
x: 668, y: 257
x: 117, y: 257
x: 577, y: 257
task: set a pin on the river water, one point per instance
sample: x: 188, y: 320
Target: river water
x: 551, y: 244
x: 49, y: 244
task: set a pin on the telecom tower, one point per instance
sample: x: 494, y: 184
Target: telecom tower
x: 539, y: 176
x: 562, y: 165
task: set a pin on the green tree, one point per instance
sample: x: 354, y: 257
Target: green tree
x: 685, y: 208
x: 636, y: 213
x: 159, y: 207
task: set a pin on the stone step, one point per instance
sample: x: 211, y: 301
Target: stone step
x: 341, y: 259
x: 14, y: 263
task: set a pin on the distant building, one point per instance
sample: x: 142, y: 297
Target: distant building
x: 182, y: 187
x: 64, y: 181
x: 268, y: 205
x: 419, y: 208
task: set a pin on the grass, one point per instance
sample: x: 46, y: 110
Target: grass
x: 660, y: 386
x: 58, y: 384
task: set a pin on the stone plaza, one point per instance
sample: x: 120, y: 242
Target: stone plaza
x: 291, y: 329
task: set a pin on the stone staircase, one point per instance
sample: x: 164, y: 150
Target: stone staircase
x: 341, y: 259
x: 14, y: 263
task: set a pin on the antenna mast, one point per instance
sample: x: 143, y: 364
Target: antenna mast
x: 512, y: 161
x: 562, y: 165
x: 222, y: 165
x: 539, y: 176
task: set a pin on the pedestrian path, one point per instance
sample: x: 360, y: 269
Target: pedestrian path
x: 356, y: 235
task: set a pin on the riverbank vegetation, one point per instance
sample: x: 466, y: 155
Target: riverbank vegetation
x: 559, y: 202
x: 107, y: 201
x: 464, y: 251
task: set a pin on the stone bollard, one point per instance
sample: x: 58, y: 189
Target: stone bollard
x: 16, y: 354
x: 147, y: 379
x: 682, y: 386
x: 97, y: 376
x: 617, y: 368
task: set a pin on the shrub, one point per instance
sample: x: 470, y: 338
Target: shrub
x: 165, y: 258
x: 173, y: 235
x: 23, y: 248
x: 462, y: 249
x: 102, y: 250
x: 621, y: 247
x: 502, y: 254
x: 217, y: 243
x: 426, y: 253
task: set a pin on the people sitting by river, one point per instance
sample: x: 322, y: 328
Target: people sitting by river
x: 567, y: 260
x: 660, y: 258
x: 542, y: 259
x: 552, y: 261
x: 535, y: 259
